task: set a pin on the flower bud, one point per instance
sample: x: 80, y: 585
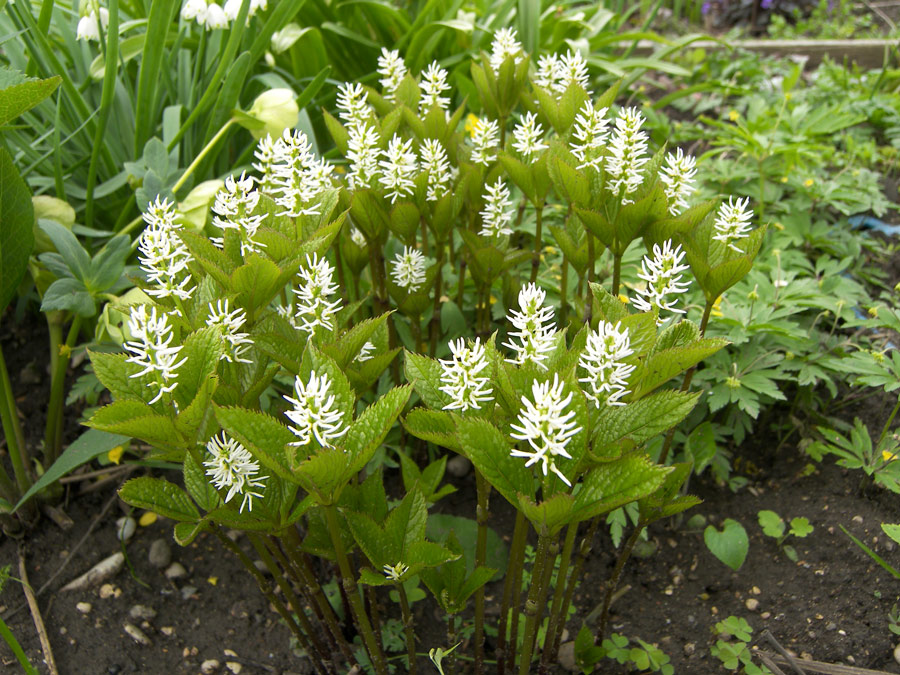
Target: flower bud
x: 49, y: 208
x: 113, y: 321
x: 194, y: 209
x: 276, y: 109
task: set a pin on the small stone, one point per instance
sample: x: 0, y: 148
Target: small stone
x: 459, y: 466
x: 142, y: 612
x: 84, y: 607
x: 160, y: 553
x: 136, y: 634
x: 234, y: 535
x: 168, y: 631
x: 812, y: 634
x: 765, y: 615
x: 755, y: 590
x: 107, y: 591
x: 857, y: 519
x: 830, y: 626
x: 752, y: 604
x: 209, y: 666
x: 175, y: 571
x: 240, y: 610
x: 566, y: 658
x: 234, y: 667
x: 125, y: 528
x: 187, y: 592
x: 689, y: 648
x: 100, y: 572
x: 896, y: 654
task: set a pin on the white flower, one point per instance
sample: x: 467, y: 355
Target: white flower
x: 365, y: 353
x: 547, y: 75
x: 313, y: 412
x: 555, y: 73
x: 163, y: 255
x: 351, y: 103
x: 313, y: 308
x: 485, y: 138
x: 215, y: 17
x: 496, y: 215
x: 627, y: 154
x: 503, y: 47
x: 236, y: 343
x: 89, y: 28
x: 300, y: 178
x: 528, y: 134
x: 534, y: 327
x: 433, y: 83
x: 461, y: 377
x: 409, y: 269
x: 234, y: 206
x: 678, y: 176
x: 602, y: 359
x: 363, y: 153
x: 233, y: 7
x: 399, y: 168
x: 663, y: 275
x: 733, y: 222
x: 392, y: 71
x: 267, y: 155
x: 357, y: 237
x: 436, y: 167
x: 591, y: 132
x: 194, y: 9
x: 394, y: 572
x: 232, y: 467
x: 546, y: 426
x: 150, y: 348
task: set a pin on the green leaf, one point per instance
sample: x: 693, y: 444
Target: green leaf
x: 160, y: 496
x: 92, y: 443
x: 730, y: 545
x: 371, y: 539
x: 137, y: 420
x: 549, y: 516
x: 116, y: 374
x: 609, y: 485
x: 441, y: 527
x: 424, y: 374
x: 665, y: 364
x: 643, y: 419
x: 366, y: 434
x: 202, y: 351
x: 16, y: 228
x: 488, y: 450
x: 198, y: 486
x: 22, y: 97
x: 892, y: 530
x: 771, y: 523
x: 69, y: 295
x: 108, y: 265
x: 324, y: 474
x: 185, y: 533
x: 348, y: 345
x: 434, y: 426
x: 800, y: 527
x: 76, y: 258
x: 257, y: 282
x: 263, y: 436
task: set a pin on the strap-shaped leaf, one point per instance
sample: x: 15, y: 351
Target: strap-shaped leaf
x: 642, y: 419
x: 488, y: 449
x: 159, y: 496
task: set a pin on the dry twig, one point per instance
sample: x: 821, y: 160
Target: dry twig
x: 36, y: 615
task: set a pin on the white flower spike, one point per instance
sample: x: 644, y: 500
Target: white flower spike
x: 503, y: 47
x: 485, y: 139
x: 591, y: 131
x: 496, y: 215
x: 351, y: 103
x: 534, y: 327
x: 409, y: 269
x: 678, y: 177
x: 231, y: 467
x: 733, y: 222
x: 163, y: 255
x: 363, y: 152
x: 528, y: 135
x: 392, y: 71
x: 461, y: 376
x: 663, y: 274
x: 628, y: 154
x: 152, y: 351
x: 398, y: 168
x: 233, y: 209
x: 436, y: 167
x: 316, y: 286
x: 433, y: 83
x: 314, y: 414
x: 607, y: 375
x: 236, y: 343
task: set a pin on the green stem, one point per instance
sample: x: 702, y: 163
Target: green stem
x: 203, y: 153
x: 617, y: 274
x: 352, y: 590
x: 558, y: 611
x: 15, y: 440
x: 408, y: 628
x: 533, y: 603
x: 613, y: 582
x: 483, y: 490
x: 450, y: 659
x: 538, y: 236
x: 517, y: 566
x: 53, y: 430
x: 516, y: 555
x: 564, y: 292
x: 584, y: 551
x: 435, y: 323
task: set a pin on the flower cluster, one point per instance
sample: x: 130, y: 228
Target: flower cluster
x: 352, y: 104
x: 589, y: 135
x: 395, y: 572
x: 528, y: 134
x: 534, y: 327
x: 733, y: 222
x: 556, y: 73
x: 607, y: 374
x: 300, y: 178
x: 234, y: 206
x: 231, y: 322
x: 409, y: 269
x: 213, y: 16
x: 313, y: 308
x: 663, y: 274
x: 485, y: 140
x: 362, y: 152
x: 162, y: 254
x: 313, y: 413
x: 89, y: 26
x: 150, y: 346
x: 678, y: 177
x: 398, y: 168
x: 433, y: 83
x: 496, y: 216
x: 392, y: 71
x: 627, y: 154
x: 231, y: 467
x: 461, y: 376
x: 436, y: 168
x: 503, y: 47
x: 546, y: 426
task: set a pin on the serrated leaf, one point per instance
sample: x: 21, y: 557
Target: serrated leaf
x: 550, y: 515
x: 642, y: 419
x: 434, y: 426
x: 197, y: 484
x: 185, y: 533
x: 136, y: 420
x: 23, y: 96
x: 424, y: 374
x: 159, y: 496
x: 261, y: 434
x: 257, y: 282
x: 665, y: 364
x: 488, y: 449
x: 324, y: 474
x: 366, y: 434
x: 347, y: 347
x: 609, y: 485
x: 202, y: 351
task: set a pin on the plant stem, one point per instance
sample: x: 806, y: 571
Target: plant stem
x: 200, y: 157
x: 536, y: 257
x: 887, y: 425
x: 516, y: 555
x: 533, y: 604
x: 564, y: 292
x: 617, y: 274
x: 53, y: 430
x: 450, y: 664
x: 408, y: 628
x: 558, y: 611
x: 434, y: 325
x: 517, y: 566
x: 483, y: 490
x: 351, y: 588
x: 584, y: 551
x: 613, y: 581
x: 15, y: 440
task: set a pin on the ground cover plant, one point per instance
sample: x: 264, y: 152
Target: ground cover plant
x: 503, y: 260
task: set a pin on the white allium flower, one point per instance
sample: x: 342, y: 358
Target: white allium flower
x: 409, y: 269
x: 733, y: 222
x: 461, y: 376
x: 546, y: 426
x: 236, y: 343
x: 485, y: 139
x: 215, y: 17
x: 589, y: 135
x: 678, y: 176
x: 313, y: 412
x: 163, y: 255
x: 433, y: 83
x: 194, y: 9
x: 628, y: 154
x: 534, y: 327
x: 392, y: 71
x: 89, y: 28
x: 316, y: 285
x: 232, y: 467
x: 436, y: 166
x: 267, y: 156
x: 528, y: 134
x: 496, y: 215
x: 150, y: 348
x: 357, y: 237
x: 504, y: 46
x: 365, y: 353
x: 351, y: 103
x: 399, y: 168
x: 233, y: 206
x: 663, y: 274
x: 555, y: 73
x: 300, y: 177
x: 363, y: 152
x: 607, y: 375
x: 394, y: 572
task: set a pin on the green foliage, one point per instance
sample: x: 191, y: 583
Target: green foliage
x: 16, y: 237
x: 730, y: 545
x: 642, y: 656
x: 736, y: 654
x: 774, y: 526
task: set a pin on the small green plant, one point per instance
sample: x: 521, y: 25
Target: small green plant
x: 732, y: 648
x: 774, y: 526
x: 857, y: 451
x: 894, y: 620
x: 642, y: 656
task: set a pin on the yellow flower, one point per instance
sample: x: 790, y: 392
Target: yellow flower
x: 887, y: 455
x: 734, y: 115
x: 213, y: 581
x: 115, y: 455
x: 784, y: 179
x: 873, y: 312
x: 809, y: 182
x: 717, y: 308
x: 471, y: 121
x: 624, y: 298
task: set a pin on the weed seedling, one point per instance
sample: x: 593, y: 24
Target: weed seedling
x: 774, y: 526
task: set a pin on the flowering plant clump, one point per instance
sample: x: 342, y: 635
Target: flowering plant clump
x: 404, y: 294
